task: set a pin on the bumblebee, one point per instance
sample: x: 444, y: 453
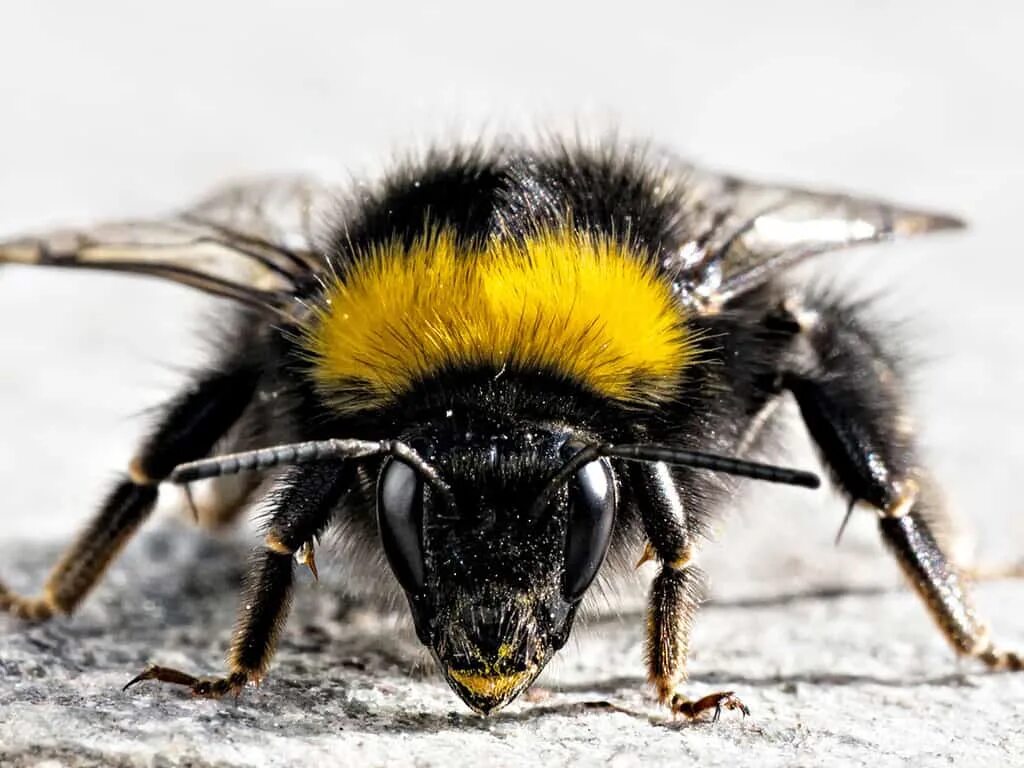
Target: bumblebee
x: 502, y: 372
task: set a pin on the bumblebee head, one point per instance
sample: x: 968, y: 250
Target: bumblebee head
x: 495, y: 569
x: 494, y: 532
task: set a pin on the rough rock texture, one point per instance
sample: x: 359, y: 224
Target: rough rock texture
x: 851, y: 673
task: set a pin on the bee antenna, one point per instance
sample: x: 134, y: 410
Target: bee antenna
x: 677, y: 457
x: 727, y: 465
x: 290, y: 454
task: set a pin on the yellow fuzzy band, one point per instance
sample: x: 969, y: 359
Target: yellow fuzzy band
x: 578, y: 306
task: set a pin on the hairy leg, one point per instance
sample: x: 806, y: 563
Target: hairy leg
x: 303, y: 502
x: 192, y: 423
x: 850, y: 392
x: 675, y: 593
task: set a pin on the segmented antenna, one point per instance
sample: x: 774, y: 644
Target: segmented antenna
x: 725, y: 464
x: 289, y: 454
x: 677, y: 457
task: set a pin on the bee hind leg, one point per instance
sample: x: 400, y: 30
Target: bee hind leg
x: 850, y: 393
x: 191, y: 425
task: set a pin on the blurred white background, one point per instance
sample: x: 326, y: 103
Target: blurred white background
x: 125, y: 108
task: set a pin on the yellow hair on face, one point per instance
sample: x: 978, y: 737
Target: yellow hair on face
x: 582, y: 307
x: 494, y: 687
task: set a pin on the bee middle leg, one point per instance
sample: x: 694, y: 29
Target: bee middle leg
x: 191, y: 425
x: 303, y: 502
x: 227, y: 498
x: 850, y: 394
x: 676, y: 593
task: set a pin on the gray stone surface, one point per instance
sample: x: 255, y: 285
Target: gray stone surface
x: 110, y: 108
x: 851, y: 674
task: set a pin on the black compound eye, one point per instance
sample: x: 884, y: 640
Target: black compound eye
x: 400, y: 521
x: 591, y: 516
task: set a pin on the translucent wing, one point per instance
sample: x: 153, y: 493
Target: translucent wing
x: 252, y: 242
x: 745, y: 232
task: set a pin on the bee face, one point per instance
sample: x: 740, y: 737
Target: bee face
x: 494, y: 583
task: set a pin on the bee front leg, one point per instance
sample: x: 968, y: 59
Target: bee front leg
x: 266, y: 599
x: 191, y: 425
x: 304, y: 503
x: 850, y: 394
x: 676, y: 593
